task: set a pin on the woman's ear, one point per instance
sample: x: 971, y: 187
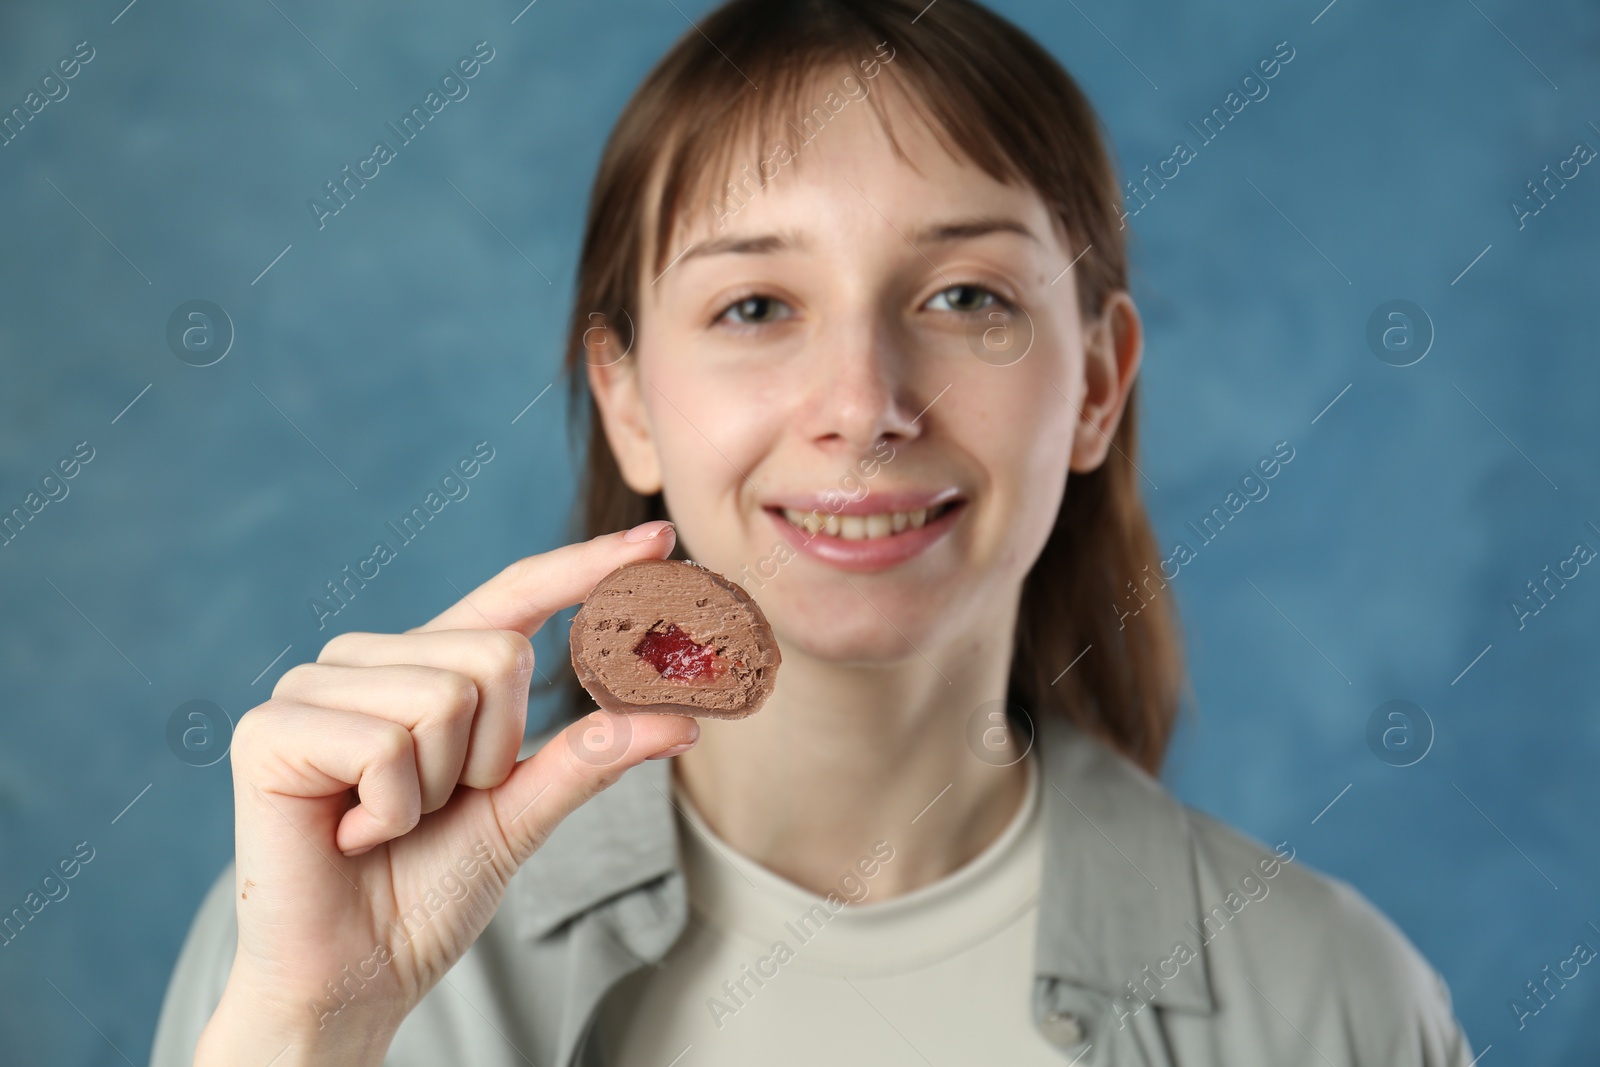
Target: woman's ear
x: 1113, y: 345
x: 614, y: 380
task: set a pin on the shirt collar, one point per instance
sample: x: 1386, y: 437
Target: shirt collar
x: 620, y: 839
x: 1119, y: 887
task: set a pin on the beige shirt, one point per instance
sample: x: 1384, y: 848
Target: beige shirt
x: 1162, y: 938
x: 770, y: 973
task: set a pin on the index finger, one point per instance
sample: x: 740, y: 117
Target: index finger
x: 524, y: 595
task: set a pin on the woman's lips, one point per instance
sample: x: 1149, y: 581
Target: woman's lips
x: 870, y: 553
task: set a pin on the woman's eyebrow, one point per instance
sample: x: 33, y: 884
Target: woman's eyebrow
x: 762, y: 244
x: 966, y: 229
x: 936, y: 233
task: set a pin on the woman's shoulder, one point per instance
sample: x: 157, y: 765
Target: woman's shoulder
x: 1314, y: 946
x: 1314, y: 910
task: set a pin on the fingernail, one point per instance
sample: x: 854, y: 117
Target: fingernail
x: 675, y: 750
x: 352, y: 854
x: 648, y: 530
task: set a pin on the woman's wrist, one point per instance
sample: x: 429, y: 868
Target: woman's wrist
x: 249, y: 1030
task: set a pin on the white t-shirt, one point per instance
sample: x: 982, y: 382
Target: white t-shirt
x: 767, y: 972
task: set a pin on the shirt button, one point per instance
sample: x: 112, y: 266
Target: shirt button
x: 1062, y: 1028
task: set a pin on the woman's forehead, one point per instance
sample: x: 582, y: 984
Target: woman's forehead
x: 886, y: 160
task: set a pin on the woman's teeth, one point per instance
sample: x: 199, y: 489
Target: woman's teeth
x: 861, y: 527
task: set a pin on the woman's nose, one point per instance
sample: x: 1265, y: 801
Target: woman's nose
x: 857, y: 388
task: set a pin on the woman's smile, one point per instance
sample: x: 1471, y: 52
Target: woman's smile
x: 874, y: 532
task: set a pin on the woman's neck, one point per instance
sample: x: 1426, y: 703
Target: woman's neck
x: 843, y: 757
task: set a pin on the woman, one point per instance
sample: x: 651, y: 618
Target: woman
x: 852, y: 313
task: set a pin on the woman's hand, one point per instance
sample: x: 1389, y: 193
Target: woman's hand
x: 382, y: 780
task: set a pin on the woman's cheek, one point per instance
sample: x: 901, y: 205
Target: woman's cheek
x: 709, y: 450
x: 1022, y: 429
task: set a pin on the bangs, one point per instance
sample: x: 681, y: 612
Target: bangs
x: 745, y: 111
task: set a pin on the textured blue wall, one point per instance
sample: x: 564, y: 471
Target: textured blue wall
x: 1381, y: 164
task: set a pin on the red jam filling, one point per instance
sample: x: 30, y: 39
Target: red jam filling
x: 677, y: 656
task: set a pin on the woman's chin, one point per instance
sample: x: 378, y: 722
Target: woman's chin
x: 863, y: 642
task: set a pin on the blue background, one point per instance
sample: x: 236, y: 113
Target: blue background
x: 1380, y: 166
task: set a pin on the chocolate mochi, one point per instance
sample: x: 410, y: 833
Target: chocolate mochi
x: 664, y: 635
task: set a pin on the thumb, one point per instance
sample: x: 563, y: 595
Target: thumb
x: 575, y: 765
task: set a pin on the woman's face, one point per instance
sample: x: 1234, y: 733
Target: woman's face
x: 869, y: 345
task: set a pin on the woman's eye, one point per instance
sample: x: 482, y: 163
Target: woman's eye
x: 962, y: 298
x: 755, y: 311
